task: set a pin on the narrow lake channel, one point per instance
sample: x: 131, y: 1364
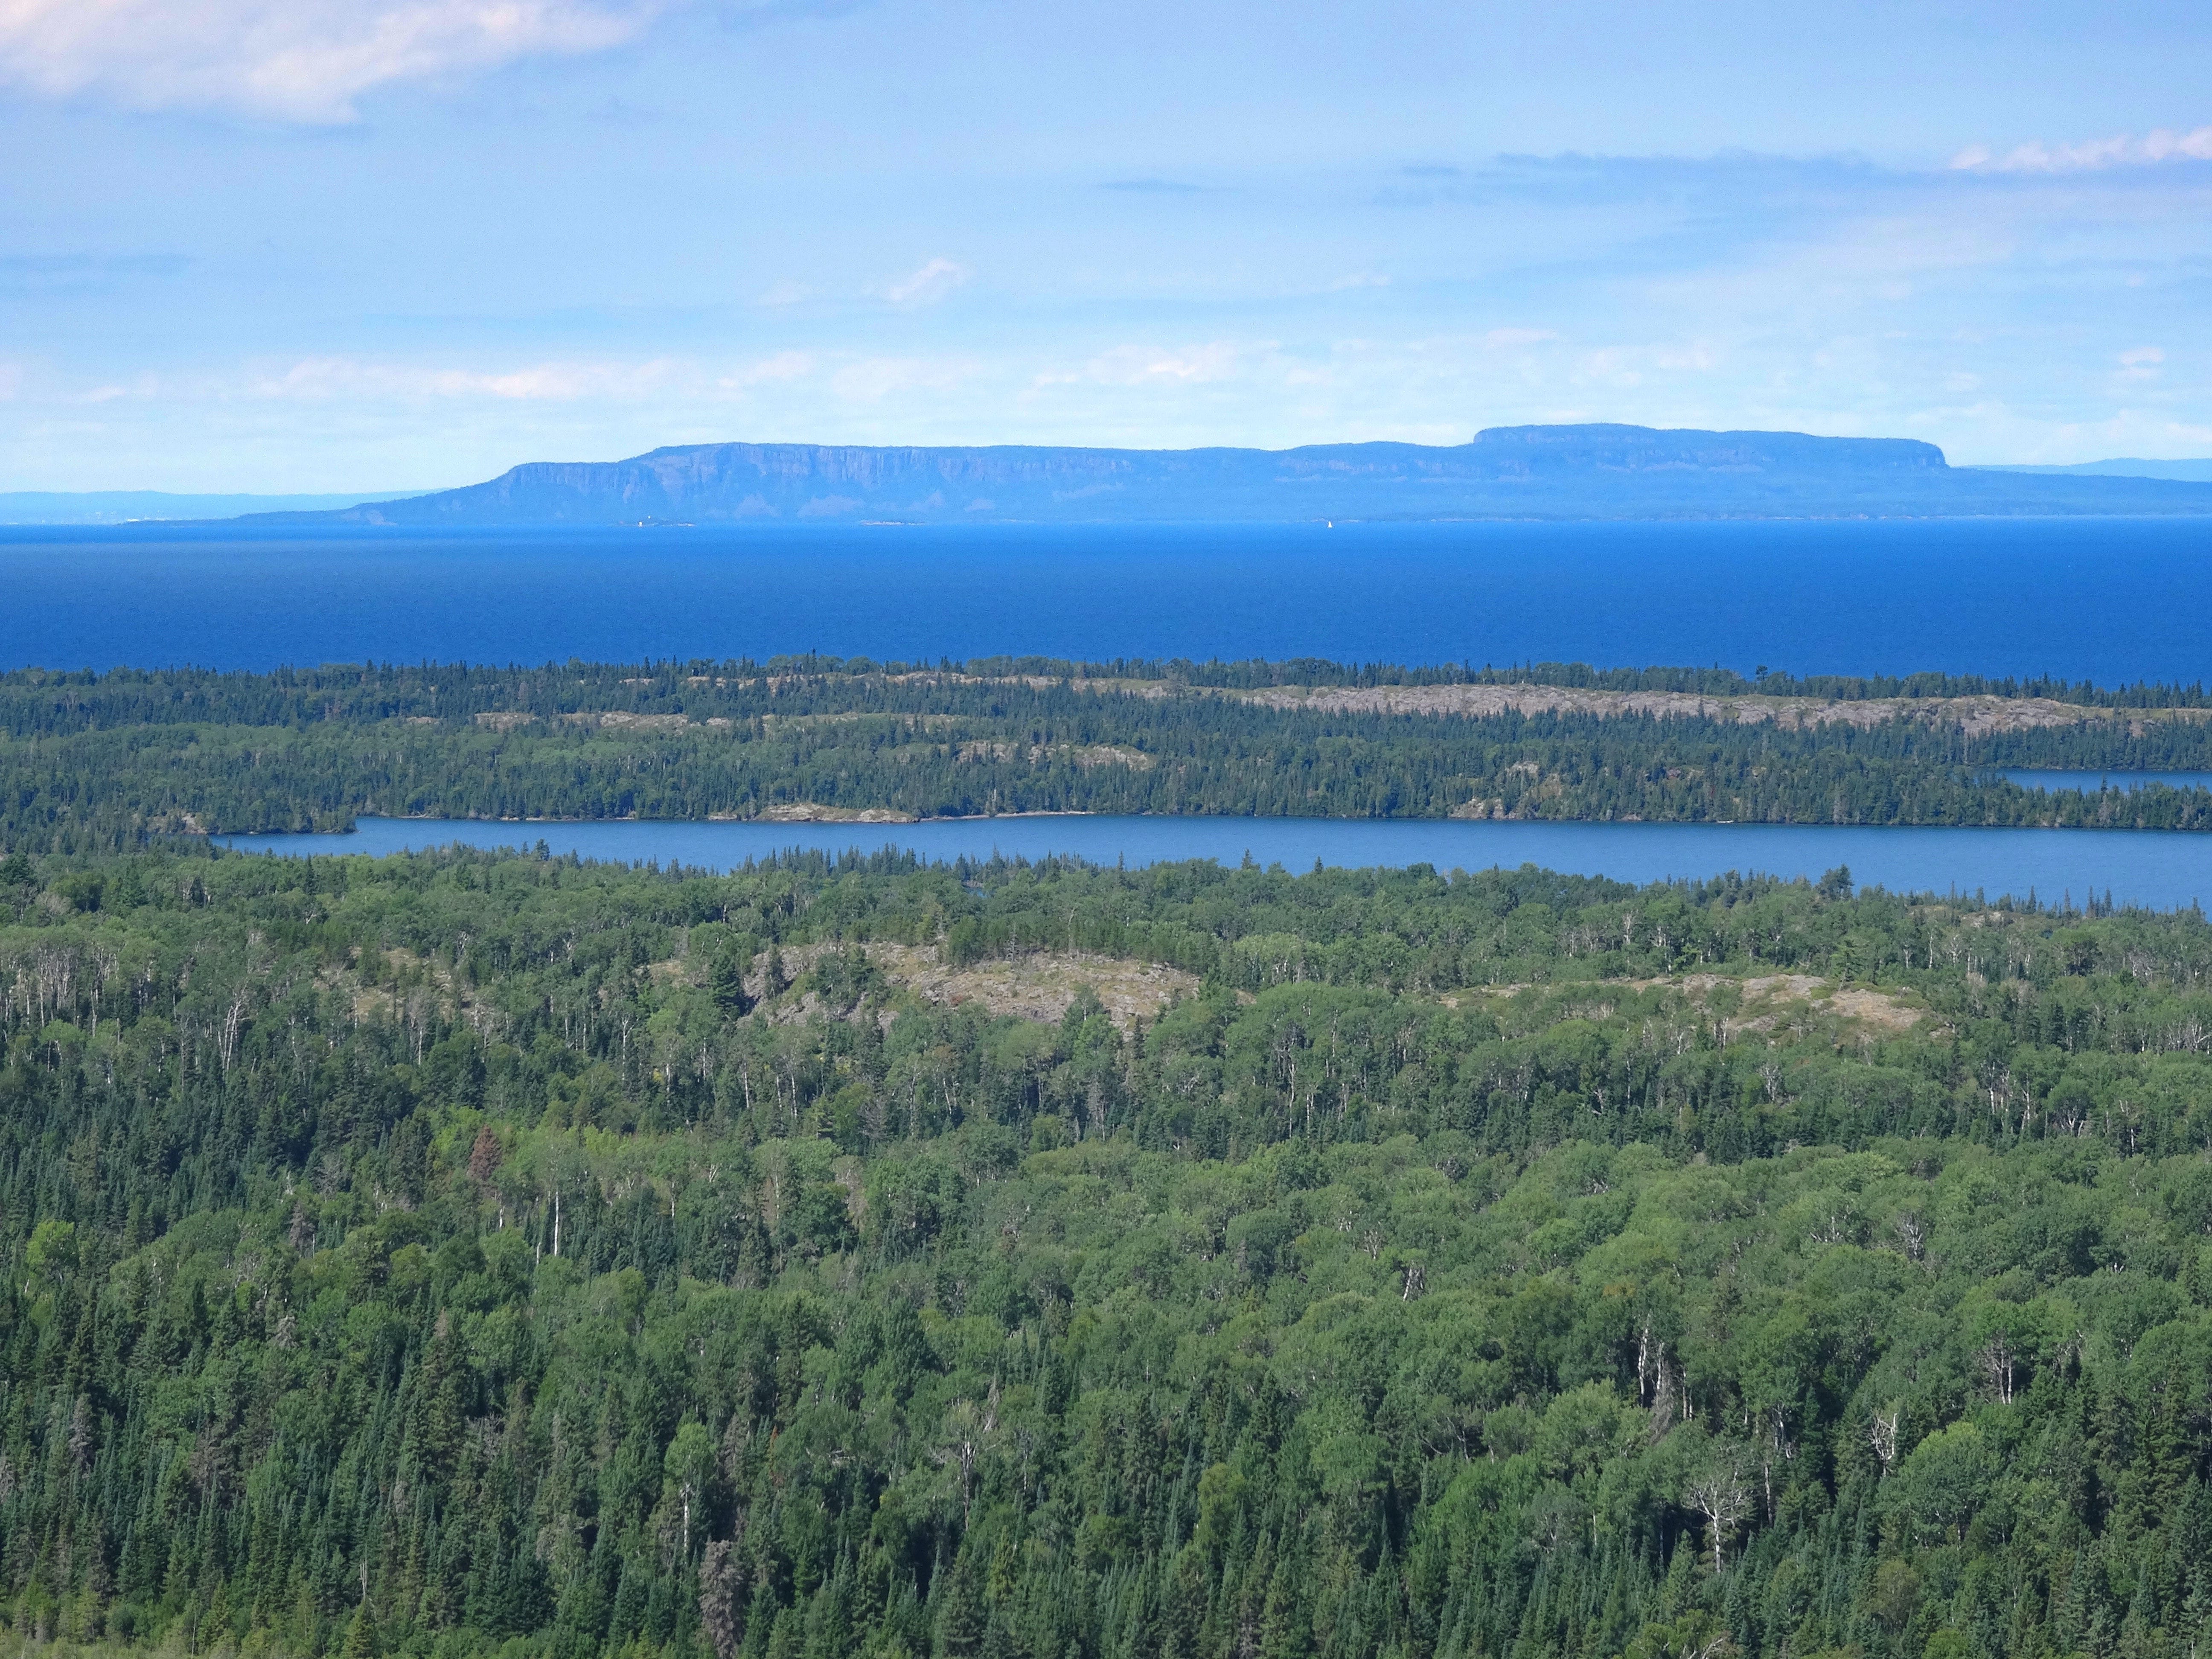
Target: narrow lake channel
x: 2159, y: 869
x: 2126, y: 782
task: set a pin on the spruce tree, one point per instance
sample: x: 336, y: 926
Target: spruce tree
x: 360, y: 1635
x: 961, y: 1619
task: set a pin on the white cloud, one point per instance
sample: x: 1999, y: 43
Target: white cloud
x: 1146, y: 365
x: 1626, y: 367
x: 873, y: 378
x: 2122, y: 149
x: 2141, y: 364
x: 142, y: 386
x: 324, y: 378
x: 927, y: 285
x: 292, y: 60
x: 1501, y: 339
x: 781, y: 370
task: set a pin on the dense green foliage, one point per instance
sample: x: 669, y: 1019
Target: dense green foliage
x: 109, y: 760
x: 443, y: 1254
x: 315, y: 688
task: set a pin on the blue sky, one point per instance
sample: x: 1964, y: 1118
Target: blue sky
x: 303, y: 244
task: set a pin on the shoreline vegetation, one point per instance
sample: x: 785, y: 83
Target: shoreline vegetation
x: 117, y: 759
x: 459, y: 1254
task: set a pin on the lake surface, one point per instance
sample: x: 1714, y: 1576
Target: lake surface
x: 2044, y: 778
x: 2110, y: 599
x: 2162, y: 870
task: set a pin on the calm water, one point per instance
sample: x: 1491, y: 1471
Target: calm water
x: 2160, y: 870
x: 2093, y: 782
x: 2114, y: 599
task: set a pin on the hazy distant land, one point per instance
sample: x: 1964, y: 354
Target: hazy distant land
x: 1562, y: 472
x: 1507, y: 472
x: 113, y: 507
x: 2184, y: 471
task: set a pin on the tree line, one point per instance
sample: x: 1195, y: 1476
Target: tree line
x: 312, y: 692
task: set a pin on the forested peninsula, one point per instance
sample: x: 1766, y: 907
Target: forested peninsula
x: 115, y: 759
x: 452, y: 1254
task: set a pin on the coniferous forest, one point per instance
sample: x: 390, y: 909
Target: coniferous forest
x: 110, y: 759
x: 784, y: 1153
x: 451, y: 1254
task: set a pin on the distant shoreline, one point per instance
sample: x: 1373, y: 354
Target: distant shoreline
x: 323, y: 524
x: 862, y: 818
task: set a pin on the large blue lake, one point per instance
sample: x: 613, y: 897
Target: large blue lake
x: 2162, y: 870
x: 2112, y: 599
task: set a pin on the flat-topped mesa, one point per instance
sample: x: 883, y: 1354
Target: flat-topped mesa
x: 1591, y: 471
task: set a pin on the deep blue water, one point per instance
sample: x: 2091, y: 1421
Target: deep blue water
x: 2052, y: 778
x: 2162, y: 870
x: 2113, y: 599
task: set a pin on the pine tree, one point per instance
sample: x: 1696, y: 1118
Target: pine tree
x: 1285, y: 1619
x: 961, y: 1621
x: 360, y: 1635
x: 726, y: 982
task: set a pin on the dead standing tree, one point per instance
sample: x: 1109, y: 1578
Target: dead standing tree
x: 1881, y: 1435
x: 1719, y: 1492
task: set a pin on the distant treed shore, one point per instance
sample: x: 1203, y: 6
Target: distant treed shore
x: 462, y: 680
x: 91, y: 760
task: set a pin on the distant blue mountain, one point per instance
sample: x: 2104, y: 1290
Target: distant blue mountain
x: 2188, y: 472
x: 96, y: 506
x: 1506, y: 472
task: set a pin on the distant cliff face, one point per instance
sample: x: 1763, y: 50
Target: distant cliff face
x: 1505, y: 472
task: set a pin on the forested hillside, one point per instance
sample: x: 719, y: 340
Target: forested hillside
x: 112, y: 761
x: 449, y: 1255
